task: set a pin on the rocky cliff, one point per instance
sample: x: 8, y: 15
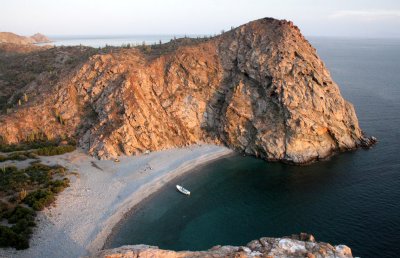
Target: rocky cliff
x: 259, y: 89
x: 302, y: 245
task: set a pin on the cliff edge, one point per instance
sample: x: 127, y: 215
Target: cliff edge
x: 260, y: 89
x: 302, y: 245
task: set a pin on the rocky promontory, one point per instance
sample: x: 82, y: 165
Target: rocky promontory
x: 260, y: 89
x: 12, y: 38
x: 40, y: 38
x: 302, y: 245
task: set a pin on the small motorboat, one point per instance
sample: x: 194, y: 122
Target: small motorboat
x: 182, y: 190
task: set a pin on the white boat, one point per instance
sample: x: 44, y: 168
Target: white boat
x: 182, y: 190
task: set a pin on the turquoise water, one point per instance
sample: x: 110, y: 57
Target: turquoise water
x: 354, y: 198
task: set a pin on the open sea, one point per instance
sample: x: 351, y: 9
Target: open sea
x: 352, y: 199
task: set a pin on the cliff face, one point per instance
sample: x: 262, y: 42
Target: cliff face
x: 302, y: 245
x: 259, y: 88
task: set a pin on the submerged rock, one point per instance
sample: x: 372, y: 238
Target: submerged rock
x: 264, y: 247
x: 260, y: 89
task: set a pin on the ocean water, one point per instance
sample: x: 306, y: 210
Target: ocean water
x: 352, y: 199
x: 119, y: 40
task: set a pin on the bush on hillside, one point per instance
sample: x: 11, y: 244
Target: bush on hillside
x: 55, y: 150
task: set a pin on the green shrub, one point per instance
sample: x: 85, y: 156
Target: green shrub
x: 55, y: 150
x: 36, y: 187
x: 9, y: 238
x: 40, y: 199
x: 18, y: 234
x: 20, y: 213
x: 24, y: 146
x: 18, y: 156
x: 58, y: 186
x: 4, y: 210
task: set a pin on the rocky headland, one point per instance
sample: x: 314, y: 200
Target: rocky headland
x: 40, y: 38
x: 260, y: 89
x: 302, y: 245
x: 12, y: 38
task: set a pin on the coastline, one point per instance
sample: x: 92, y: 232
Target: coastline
x: 102, y: 194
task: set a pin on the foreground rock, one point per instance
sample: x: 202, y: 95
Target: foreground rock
x: 302, y: 245
x: 259, y: 89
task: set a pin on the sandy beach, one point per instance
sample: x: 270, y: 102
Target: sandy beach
x: 101, y: 194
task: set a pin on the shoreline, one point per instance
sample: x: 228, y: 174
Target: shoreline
x: 85, y: 214
x: 144, y: 201
x: 144, y: 193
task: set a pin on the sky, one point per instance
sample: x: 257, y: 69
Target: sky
x: 344, y: 18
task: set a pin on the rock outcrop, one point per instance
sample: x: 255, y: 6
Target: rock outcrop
x: 259, y: 89
x: 302, y: 245
x: 9, y: 37
x: 40, y: 38
x: 12, y: 38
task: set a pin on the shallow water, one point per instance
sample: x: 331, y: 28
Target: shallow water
x: 354, y: 198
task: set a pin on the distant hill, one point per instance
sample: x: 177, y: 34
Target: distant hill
x: 40, y: 38
x: 9, y: 37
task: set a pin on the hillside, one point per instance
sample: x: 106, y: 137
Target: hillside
x: 260, y: 89
x: 9, y: 37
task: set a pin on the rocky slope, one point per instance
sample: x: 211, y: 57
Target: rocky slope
x: 9, y: 37
x: 260, y: 89
x: 302, y: 245
x: 40, y: 38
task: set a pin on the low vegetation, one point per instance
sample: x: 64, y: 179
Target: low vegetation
x: 26, y: 145
x: 54, y: 150
x: 24, y: 155
x: 37, y: 143
x: 23, y: 192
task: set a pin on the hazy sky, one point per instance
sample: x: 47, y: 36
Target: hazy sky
x: 359, y: 18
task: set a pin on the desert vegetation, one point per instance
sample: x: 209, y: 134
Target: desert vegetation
x: 23, y: 192
x: 39, y: 144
